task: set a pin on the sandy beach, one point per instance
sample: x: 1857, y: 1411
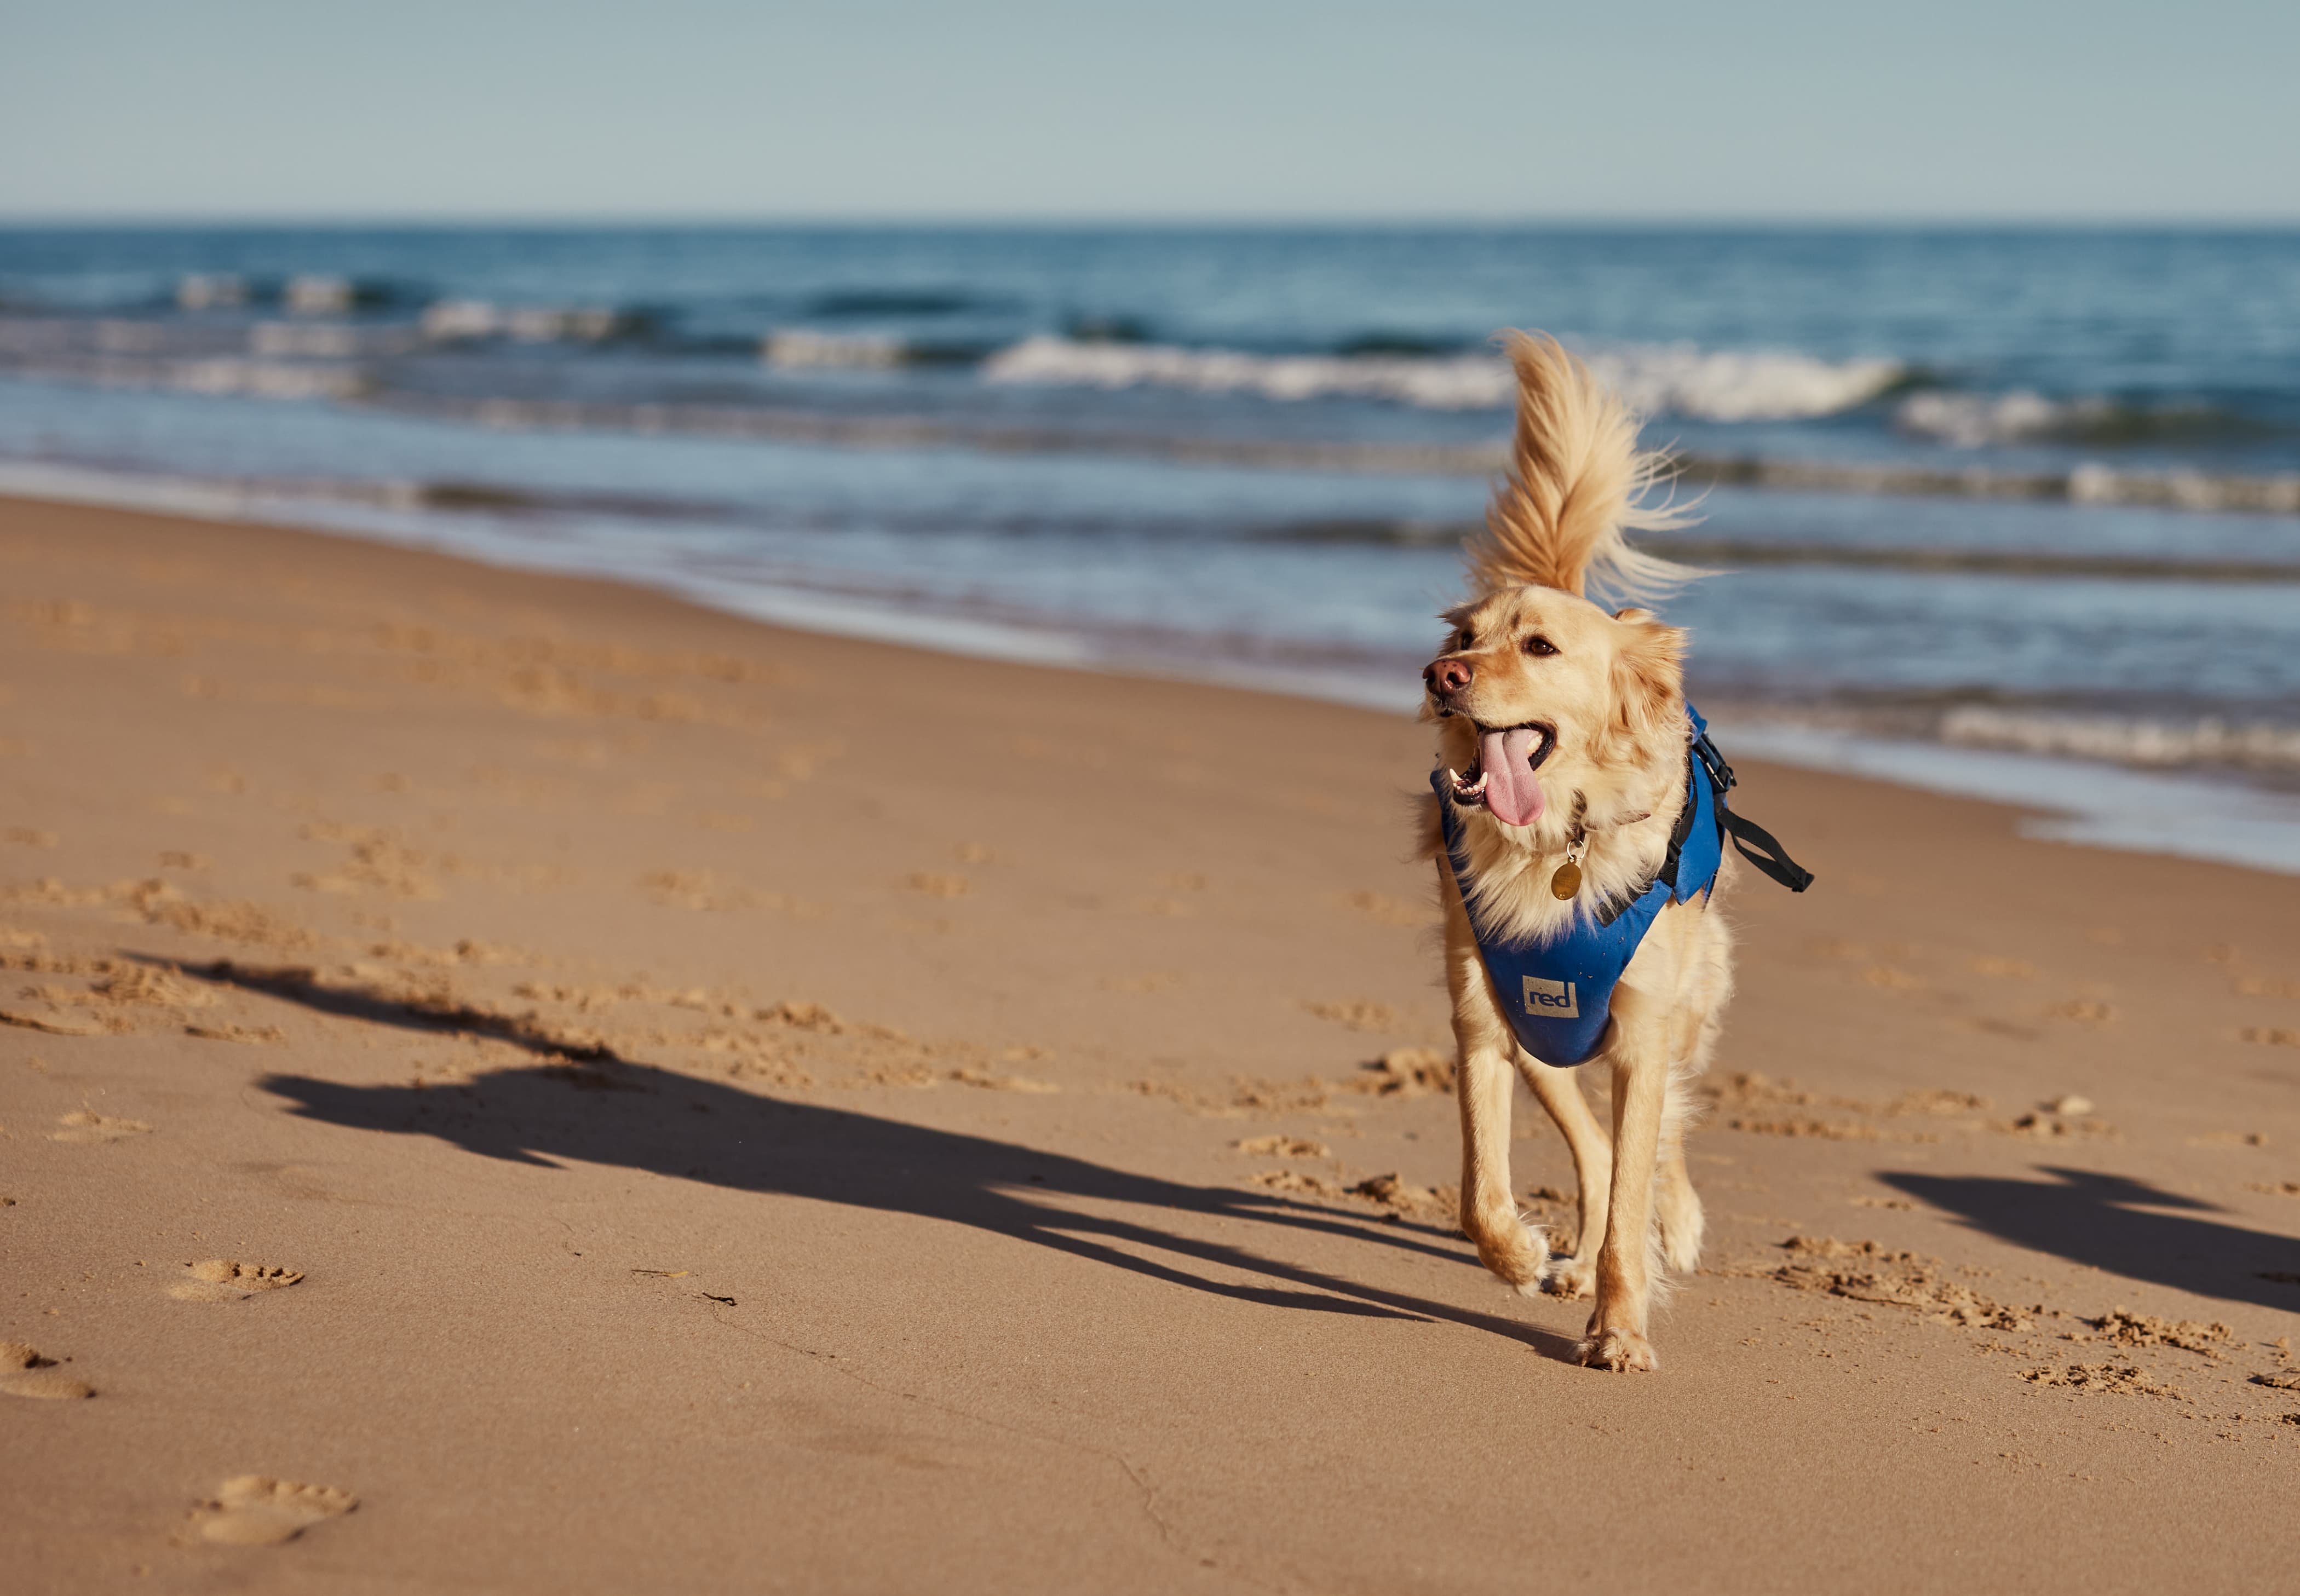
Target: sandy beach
x: 525, y: 1084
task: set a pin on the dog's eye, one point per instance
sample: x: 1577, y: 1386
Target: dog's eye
x: 1540, y: 646
x: 1463, y: 639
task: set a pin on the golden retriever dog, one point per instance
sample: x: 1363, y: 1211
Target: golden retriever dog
x: 1564, y: 744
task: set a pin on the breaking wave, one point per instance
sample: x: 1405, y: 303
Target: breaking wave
x: 353, y: 363
x: 2091, y: 482
x: 1678, y: 380
x: 467, y: 320
x: 221, y: 375
x: 307, y: 294
x: 1729, y: 553
x: 800, y: 348
x: 1977, y: 420
x: 1729, y: 386
x: 442, y: 323
x: 1456, y: 382
x: 2122, y: 740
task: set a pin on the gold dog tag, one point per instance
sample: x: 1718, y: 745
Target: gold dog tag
x: 1567, y: 881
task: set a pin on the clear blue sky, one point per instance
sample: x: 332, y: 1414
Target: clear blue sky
x: 1183, y: 108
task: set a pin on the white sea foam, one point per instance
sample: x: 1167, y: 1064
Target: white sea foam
x: 270, y: 360
x: 2122, y: 740
x: 799, y: 347
x: 1441, y: 382
x: 311, y: 340
x: 1720, y: 386
x: 1973, y: 420
x: 111, y: 339
x: 553, y: 324
x: 2097, y: 484
x: 320, y: 295
x: 256, y: 378
x: 1981, y: 421
x: 456, y: 320
x: 1739, y: 386
x: 211, y: 290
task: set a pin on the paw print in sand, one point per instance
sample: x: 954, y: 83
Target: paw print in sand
x: 87, y: 1126
x: 24, y: 1373
x: 255, y: 1510
x: 224, y: 1280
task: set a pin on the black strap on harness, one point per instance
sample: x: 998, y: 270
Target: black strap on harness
x: 1774, y: 861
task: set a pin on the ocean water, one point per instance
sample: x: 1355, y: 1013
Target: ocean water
x: 2011, y: 512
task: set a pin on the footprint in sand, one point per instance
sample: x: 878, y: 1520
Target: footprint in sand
x: 55, y: 1025
x: 1284, y: 1147
x: 1359, y: 1014
x: 270, y: 1036
x: 1386, y: 910
x: 24, y: 1373
x: 222, y: 1280
x: 86, y: 1124
x: 257, y: 1510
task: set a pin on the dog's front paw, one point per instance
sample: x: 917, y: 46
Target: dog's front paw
x: 1620, y: 1351
x: 1570, y: 1277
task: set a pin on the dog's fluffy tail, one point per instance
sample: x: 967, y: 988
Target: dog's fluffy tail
x: 1576, y: 481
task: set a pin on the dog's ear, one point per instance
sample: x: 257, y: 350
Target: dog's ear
x: 1648, y: 673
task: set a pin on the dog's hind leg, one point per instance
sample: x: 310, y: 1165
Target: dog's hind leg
x: 1507, y: 1244
x: 1560, y: 1092
x: 1677, y: 1206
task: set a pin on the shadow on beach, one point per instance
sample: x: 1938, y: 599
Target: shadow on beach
x: 641, y: 1118
x: 593, y: 1106
x: 2107, y: 1222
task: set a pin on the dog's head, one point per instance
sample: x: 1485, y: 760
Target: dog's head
x: 1550, y: 706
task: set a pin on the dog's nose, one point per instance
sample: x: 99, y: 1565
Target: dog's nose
x: 1446, y: 677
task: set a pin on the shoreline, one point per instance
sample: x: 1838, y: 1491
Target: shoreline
x: 2217, y: 814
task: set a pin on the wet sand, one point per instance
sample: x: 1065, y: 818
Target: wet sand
x: 516, y: 1084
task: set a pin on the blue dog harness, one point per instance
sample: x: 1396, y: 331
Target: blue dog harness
x: 1559, y: 993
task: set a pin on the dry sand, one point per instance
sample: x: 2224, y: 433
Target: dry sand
x: 513, y: 1084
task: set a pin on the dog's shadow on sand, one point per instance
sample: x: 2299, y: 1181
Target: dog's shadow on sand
x: 621, y: 1113
x: 2108, y: 1222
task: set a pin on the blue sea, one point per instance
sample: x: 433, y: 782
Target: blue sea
x: 2010, y: 513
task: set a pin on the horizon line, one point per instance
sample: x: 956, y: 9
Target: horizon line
x: 1260, y: 222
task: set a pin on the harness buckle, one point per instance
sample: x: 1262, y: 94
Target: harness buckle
x: 1713, y: 759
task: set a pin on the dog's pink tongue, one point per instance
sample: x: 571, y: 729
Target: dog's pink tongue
x: 1512, y: 796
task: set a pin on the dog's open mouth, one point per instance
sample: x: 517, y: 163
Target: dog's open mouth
x: 1502, y: 778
